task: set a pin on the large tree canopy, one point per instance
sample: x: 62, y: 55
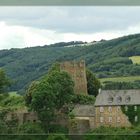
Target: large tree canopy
x: 4, y: 81
x: 50, y: 94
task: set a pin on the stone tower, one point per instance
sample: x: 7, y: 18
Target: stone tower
x: 78, y: 73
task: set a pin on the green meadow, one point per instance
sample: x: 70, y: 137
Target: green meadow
x: 135, y: 59
x: 121, y: 79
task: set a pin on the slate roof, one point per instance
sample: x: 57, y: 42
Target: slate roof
x: 84, y: 111
x: 118, y: 97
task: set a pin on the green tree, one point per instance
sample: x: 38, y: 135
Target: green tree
x: 30, y: 91
x: 57, y: 137
x: 52, y: 93
x: 31, y: 128
x: 93, y: 84
x: 4, y: 81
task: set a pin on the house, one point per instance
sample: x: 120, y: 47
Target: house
x: 112, y: 108
x: 117, y: 108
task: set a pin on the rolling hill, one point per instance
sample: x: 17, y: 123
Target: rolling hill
x: 105, y: 58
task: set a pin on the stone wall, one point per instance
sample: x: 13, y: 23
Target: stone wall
x: 83, y: 120
x: 22, y: 117
x: 78, y: 126
x: 110, y: 116
x: 78, y: 73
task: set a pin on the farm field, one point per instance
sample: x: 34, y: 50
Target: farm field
x: 135, y: 59
x: 121, y: 79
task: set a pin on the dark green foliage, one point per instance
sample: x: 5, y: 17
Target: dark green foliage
x: 93, y: 84
x: 57, y: 137
x: 121, y: 85
x: 31, y: 128
x: 24, y: 137
x: 62, y: 86
x: 53, y: 91
x: 3, y: 126
x: 131, y: 113
x: 4, y: 82
x: 105, y: 59
x: 108, y: 133
x: 14, y: 102
x: 43, y: 102
x: 83, y: 99
x: 8, y: 126
x: 30, y: 91
x: 54, y: 128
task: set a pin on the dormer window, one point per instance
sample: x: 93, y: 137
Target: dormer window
x: 127, y: 99
x: 119, y: 99
x: 110, y: 99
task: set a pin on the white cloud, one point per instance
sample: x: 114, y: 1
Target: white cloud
x: 20, y: 36
x: 13, y: 36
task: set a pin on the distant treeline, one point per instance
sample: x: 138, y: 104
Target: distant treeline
x: 104, y: 58
x: 121, y: 85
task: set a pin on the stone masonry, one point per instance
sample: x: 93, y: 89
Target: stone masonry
x: 77, y: 71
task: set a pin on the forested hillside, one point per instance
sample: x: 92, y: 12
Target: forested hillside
x: 105, y: 58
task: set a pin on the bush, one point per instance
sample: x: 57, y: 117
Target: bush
x: 57, y: 137
x: 83, y: 99
x: 58, y: 129
x: 31, y: 128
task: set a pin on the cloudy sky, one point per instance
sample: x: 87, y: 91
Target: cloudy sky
x: 31, y: 26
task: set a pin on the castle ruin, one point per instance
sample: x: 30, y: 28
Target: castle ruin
x: 77, y: 71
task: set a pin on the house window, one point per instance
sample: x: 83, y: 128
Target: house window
x: 136, y: 118
x: 126, y: 108
x: 109, y: 108
x: 101, y: 109
x: 101, y: 119
x: 110, y: 119
x: 118, y: 108
x: 118, y: 119
x: 135, y: 108
x: 34, y: 121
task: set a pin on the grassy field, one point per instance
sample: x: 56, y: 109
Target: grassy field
x: 12, y: 101
x: 135, y: 59
x: 121, y: 79
x: 13, y: 93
